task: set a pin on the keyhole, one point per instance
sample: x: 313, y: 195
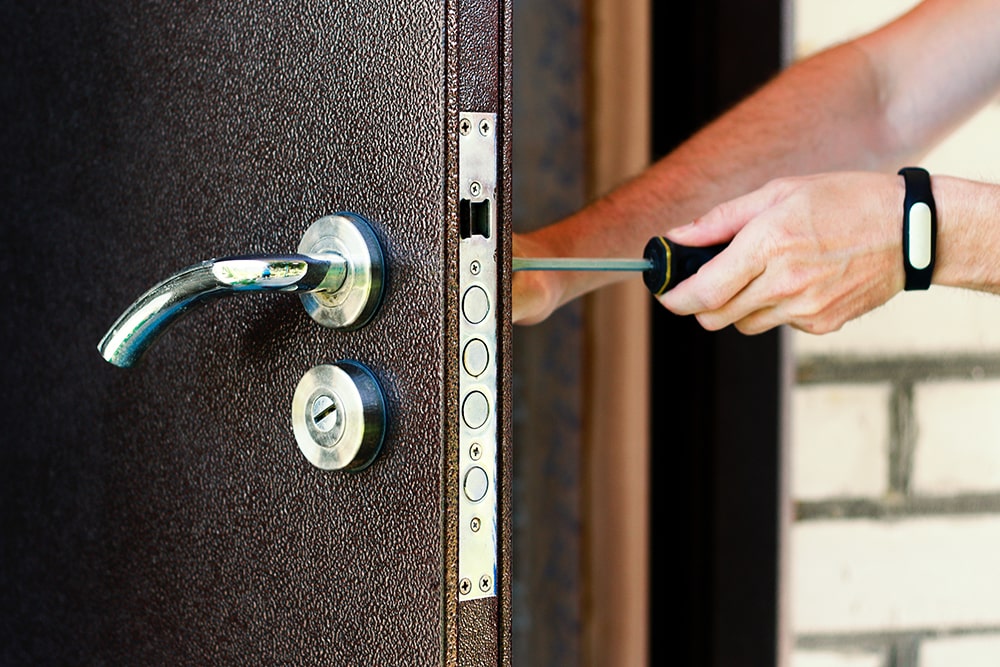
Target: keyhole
x: 327, y: 415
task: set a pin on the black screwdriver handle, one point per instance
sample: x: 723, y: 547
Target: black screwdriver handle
x: 673, y: 262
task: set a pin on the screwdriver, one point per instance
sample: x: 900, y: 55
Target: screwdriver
x: 664, y: 263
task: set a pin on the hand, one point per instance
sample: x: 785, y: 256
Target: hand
x: 534, y: 293
x: 812, y: 252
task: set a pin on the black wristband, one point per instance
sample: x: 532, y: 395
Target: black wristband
x: 919, y: 228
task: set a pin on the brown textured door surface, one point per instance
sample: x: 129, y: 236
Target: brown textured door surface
x: 163, y: 514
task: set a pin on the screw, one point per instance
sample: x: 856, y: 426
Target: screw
x: 485, y: 583
x: 475, y: 451
x: 484, y: 127
x: 464, y: 126
x: 475, y: 267
x: 475, y: 188
x: 475, y: 524
x: 464, y: 586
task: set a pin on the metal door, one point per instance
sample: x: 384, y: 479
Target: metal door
x: 163, y: 514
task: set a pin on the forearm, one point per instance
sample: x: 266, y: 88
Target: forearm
x: 791, y: 126
x: 968, y: 241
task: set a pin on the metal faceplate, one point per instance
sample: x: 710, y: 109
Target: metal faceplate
x: 477, y: 540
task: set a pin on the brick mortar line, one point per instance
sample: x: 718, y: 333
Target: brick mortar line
x: 873, y: 641
x: 847, y: 369
x: 902, y: 438
x: 896, y: 507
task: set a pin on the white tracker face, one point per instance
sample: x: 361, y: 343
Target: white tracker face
x: 919, y: 252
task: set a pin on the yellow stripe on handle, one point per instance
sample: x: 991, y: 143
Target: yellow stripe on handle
x: 667, y: 265
x: 673, y: 263
x: 660, y: 254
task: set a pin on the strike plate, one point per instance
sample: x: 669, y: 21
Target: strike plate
x: 477, y: 502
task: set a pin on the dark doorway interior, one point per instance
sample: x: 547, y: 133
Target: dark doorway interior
x: 716, y: 456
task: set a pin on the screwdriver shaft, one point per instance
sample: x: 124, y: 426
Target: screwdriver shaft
x: 663, y: 264
x: 579, y: 264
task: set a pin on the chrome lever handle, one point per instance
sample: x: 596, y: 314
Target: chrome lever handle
x: 338, y: 272
x: 143, y: 322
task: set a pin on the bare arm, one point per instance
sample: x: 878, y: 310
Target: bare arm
x: 873, y: 103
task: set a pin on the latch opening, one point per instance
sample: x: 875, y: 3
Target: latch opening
x: 474, y: 218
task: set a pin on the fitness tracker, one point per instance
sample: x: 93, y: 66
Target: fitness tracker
x: 919, y: 228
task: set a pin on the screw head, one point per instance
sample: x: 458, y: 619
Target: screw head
x: 475, y: 188
x: 475, y: 451
x: 484, y: 127
x: 464, y: 586
x: 485, y: 583
x: 475, y: 524
x: 464, y: 126
x: 475, y: 267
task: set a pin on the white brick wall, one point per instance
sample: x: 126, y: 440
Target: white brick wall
x: 837, y: 659
x: 841, y: 433
x: 922, y: 584
x: 821, y: 23
x: 958, y: 438
x: 855, y: 576
x: 941, y: 320
x: 960, y: 652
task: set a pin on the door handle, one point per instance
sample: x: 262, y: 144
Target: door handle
x: 338, y: 273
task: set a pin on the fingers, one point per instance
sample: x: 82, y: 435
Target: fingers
x: 534, y: 294
x: 725, y: 220
x: 811, y: 252
x: 712, y: 291
x: 528, y: 302
x: 526, y: 307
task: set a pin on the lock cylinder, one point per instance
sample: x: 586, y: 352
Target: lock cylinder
x: 339, y: 416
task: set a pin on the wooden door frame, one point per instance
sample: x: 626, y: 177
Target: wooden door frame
x: 615, y: 455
